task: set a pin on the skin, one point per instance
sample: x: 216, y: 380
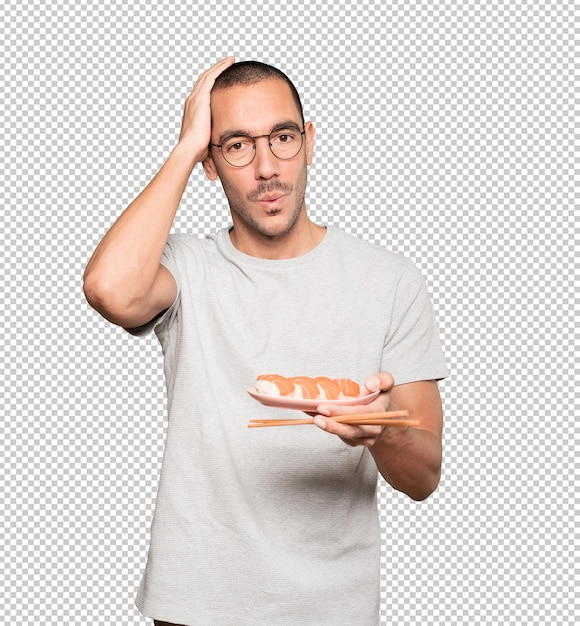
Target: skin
x: 125, y: 282
x: 409, y: 459
x: 266, y: 197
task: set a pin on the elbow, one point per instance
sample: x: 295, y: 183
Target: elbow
x: 420, y: 495
x: 99, y: 295
x: 106, y: 299
x: 422, y: 490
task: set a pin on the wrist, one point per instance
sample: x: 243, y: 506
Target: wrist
x: 187, y: 152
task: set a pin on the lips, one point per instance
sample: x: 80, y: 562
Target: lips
x: 269, y: 192
x: 270, y: 198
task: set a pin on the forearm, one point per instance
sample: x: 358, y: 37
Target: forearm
x: 126, y: 261
x: 409, y: 460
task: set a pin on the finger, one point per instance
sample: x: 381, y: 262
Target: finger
x: 220, y: 66
x: 353, y: 443
x: 383, y: 381
x: 207, y: 78
x: 330, y: 410
x: 213, y: 72
x: 347, y: 431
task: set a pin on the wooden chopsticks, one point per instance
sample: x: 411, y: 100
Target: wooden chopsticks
x: 387, y: 418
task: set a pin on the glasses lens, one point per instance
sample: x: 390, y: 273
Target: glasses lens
x: 286, y: 143
x: 238, y: 151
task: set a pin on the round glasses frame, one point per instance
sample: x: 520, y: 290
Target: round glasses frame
x: 253, y: 138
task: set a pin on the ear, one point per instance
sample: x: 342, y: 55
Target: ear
x: 209, y: 166
x: 309, y: 128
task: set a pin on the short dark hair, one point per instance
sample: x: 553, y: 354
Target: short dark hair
x: 252, y: 72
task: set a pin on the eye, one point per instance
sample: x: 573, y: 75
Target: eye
x: 238, y: 144
x: 284, y: 137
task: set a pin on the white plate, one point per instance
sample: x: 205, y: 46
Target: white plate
x: 283, y: 402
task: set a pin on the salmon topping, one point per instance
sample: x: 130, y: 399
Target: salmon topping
x: 285, y: 385
x: 348, y: 387
x: 308, y: 388
x: 330, y: 389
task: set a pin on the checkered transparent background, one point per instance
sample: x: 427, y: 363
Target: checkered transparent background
x: 444, y: 131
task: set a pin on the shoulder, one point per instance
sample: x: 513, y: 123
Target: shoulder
x: 184, y: 247
x: 187, y: 242
x: 372, y: 256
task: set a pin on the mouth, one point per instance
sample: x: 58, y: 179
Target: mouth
x: 270, y: 193
x: 271, y: 200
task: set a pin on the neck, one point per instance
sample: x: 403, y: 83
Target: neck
x: 303, y: 237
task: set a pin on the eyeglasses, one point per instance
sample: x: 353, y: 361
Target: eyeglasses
x: 240, y: 150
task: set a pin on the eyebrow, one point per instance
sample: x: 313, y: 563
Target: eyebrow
x: 228, y: 134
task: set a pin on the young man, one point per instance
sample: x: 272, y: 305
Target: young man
x: 271, y: 526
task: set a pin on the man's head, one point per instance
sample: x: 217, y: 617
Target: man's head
x: 256, y: 112
x: 252, y: 72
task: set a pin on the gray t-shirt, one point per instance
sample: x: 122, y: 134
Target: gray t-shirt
x: 274, y: 526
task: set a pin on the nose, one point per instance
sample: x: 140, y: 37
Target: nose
x: 266, y: 164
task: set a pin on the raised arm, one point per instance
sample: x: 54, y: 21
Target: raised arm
x: 124, y: 280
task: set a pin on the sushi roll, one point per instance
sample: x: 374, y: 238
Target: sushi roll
x: 307, y: 388
x: 274, y: 385
x: 329, y: 390
x: 348, y: 388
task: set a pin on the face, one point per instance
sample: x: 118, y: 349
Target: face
x: 266, y: 197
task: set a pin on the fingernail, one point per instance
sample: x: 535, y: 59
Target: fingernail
x: 320, y: 422
x: 373, y: 383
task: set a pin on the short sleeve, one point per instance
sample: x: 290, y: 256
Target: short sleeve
x: 412, y: 350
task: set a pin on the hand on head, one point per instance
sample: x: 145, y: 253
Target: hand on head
x: 196, y: 122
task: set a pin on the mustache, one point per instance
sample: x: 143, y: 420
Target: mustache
x: 268, y: 187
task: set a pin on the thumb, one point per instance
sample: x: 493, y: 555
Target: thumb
x: 383, y: 381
